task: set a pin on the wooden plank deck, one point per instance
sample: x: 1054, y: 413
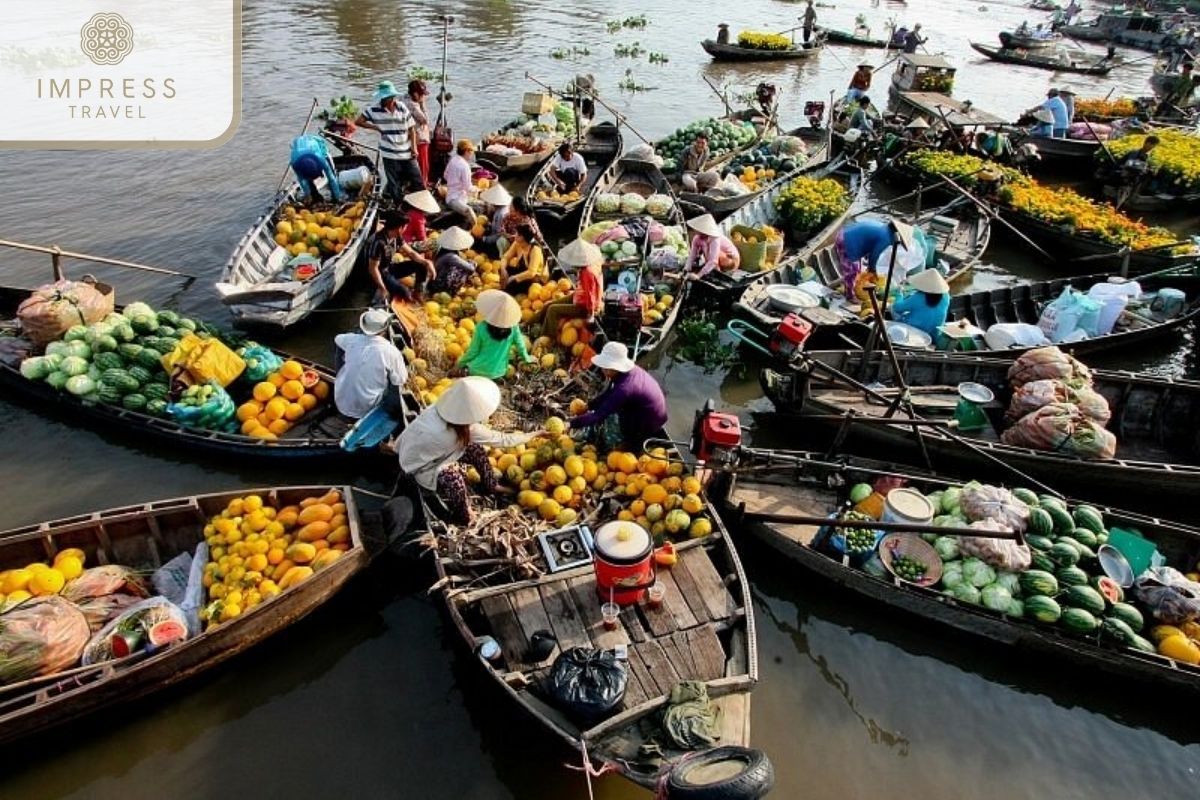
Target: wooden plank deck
x: 770, y: 498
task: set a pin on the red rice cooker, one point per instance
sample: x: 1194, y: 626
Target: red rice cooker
x: 623, y: 562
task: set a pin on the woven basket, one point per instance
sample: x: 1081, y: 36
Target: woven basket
x: 754, y: 255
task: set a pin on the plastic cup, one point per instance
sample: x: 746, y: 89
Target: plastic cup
x: 655, y: 595
x: 610, y: 612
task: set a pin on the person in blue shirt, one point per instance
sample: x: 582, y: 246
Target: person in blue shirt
x: 864, y: 238
x: 310, y: 160
x: 927, y: 307
x: 1060, y: 119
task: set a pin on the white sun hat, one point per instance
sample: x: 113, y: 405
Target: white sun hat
x: 498, y: 308
x: 455, y: 238
x: 705, y: 224
x: 614, y: 356
x: 374, y: 321
x: 469, y: 401
x: 929, y: 281
x: 496, y: 195
x: 422, y: 201
x: 580, y: 254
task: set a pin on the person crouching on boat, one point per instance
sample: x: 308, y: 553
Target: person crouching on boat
x: 633, y: 397
x: 458, y: 182
x: 451, y: 270
x: 926, y: 307
x: 587, y: 300
x: 567, y: 169
x: 495, y: 338
x: 691, y: 164
x: 863, y: 118
x: 448, y: 437
x: 863, y: 238
x: 499, y: 204
x: 710, y: 249
x: 417, y: 207
x: 523, y: 262
x: 372, y: 371
x: 310, y: 159
x: 388, y: 274
x: 860, y: 81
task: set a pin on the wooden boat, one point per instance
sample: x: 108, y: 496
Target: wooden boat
x: 317, y: 436
x: 253, y: 283
x: 777, y: 486
x: 504, y: 164
x: 834, y: 36
x: 733, y: 52
x: 1144, y: 201
x: 1133, y: 29
x: 704, y: 631
x: 1014, y: 40
x: 629, y: 175
x: 1058, y: 62
x: 1057, y: 152
x: 817, y: 141
x: 600, y: 148
x: 1152, y: 418
x: 726, y: 287
x: 962, y: 236
x: 145, y: 536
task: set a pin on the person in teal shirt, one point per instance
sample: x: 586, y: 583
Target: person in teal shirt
x: 495, y: 337
x: 927, y: 307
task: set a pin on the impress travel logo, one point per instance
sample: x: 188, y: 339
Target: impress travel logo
x: 120, y: 73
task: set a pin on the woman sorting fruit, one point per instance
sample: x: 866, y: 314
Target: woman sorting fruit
x: 373, y: 371
x: 926, y: 307
x: 448, y: 437
x: 523, y: 262
x: 499, y: 204
x: 387, y: 274
x: 417, y: 207
x: 495, y: 338
x: 452, y: 270
x: 567, y: 169
x: 587, y: 300
x: 519, y: 214
x: 711, y: 249
x: 633, y: 396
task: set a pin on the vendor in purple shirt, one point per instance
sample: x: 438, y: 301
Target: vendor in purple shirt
x: 632, y: 394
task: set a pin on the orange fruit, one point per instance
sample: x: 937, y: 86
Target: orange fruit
x: 308, y: 402
x: 654, y: 493
x: 627, y: 463
x: 321, y: 390
x: 279, y: 427
x: 292, y: 389
x: 250, y: 425
x: 248, y: 410
x: 275, y: 409
x: 276, y: 380
x: 294, y: 412
x: 264, y: 391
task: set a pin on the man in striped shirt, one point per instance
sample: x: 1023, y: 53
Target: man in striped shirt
x: 397, y: 131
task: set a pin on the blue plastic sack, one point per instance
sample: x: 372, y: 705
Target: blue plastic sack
x: 260, y: 362
x: 1072, y: 311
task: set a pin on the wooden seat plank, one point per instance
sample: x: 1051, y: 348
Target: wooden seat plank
x: 675, y: 602
x: 717, y: 600
x: 507, y: 630
x: 658, y: 665
x: 531, y: 614
x: 565, y: 618
x: 707, y: 652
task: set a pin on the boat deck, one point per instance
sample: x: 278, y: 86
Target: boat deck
x: 936, y: 104
x: 678, y: 641
x: 773, y: 498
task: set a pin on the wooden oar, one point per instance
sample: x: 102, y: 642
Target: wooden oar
x: 878, y: 525
x: 618, y: 116
x: 57, y: 254
x: 995, y: 215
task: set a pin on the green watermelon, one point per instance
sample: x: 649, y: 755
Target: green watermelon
x: 134, y: 401
x: 1143, y: 644
x: 156, y: 407
x: 1063, y: 524
x: 1026, y: 496
x: 149, y: 358
x: 140, y: 374
x: 168, y: 317
x: 1071, y: 576
x: 104, y: 344
x: 165, y: 344
x: 1084, y: 536
x: 144, y: 324
x: 1084, y: 597
x: 166, y: 330
x: 1118, y: 629
x: 1063, y: 554
x: 1088, y: 517
x: 1041, y: 561
x: 155, y: 391
x: 109, y: 395
x: 1042, y: 608
x: 1078, y: 620
x: 1036, y: 581
x: 1039, y: 542
x: 129, y: 351
x: 124, y: 333
x: 1040, y: 522
x: 108, y: 361
x: 186, y: 324
x: 1127, y: 614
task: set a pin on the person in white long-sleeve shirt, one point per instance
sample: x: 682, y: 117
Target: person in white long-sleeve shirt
x: 458, y: 182
x: 373, y: 372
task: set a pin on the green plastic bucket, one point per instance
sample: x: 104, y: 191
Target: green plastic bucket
x: 1137, y: 551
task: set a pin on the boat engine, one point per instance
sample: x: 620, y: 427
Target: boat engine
x: 790, y: 335
x: 814, y: 112
x: 716, y: 437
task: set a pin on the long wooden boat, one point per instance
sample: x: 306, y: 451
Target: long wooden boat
x: 144, y: 537
x: 1152, y: 418
x: 1012, y: 40
x: 1058, y: 152
x: 316, y: 436
x: 703, y: 632
x: 726, y: 287
x: 1082, y: 66
x: 504, y: 164
x: 251, y: 283
x: 816, y: 139
x: 1132, y: 29
x: 834, y: 36
x: 1149, y: 202
x: 600, y: 147
x: 733, y: 52
x: 779, y: 485
x: 962, y: 236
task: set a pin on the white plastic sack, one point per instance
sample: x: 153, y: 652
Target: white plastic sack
x: 1004, y: 335
x: 1113, y: 298
x: 907, y: 260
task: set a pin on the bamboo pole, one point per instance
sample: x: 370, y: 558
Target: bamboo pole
x: 56, y: 254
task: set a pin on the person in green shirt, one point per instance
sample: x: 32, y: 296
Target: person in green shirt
x: 495, y: 337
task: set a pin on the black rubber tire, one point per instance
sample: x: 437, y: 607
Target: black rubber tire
x: 754, y: 780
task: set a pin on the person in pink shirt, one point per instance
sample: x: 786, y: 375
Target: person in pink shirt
x: 458, y: 182
x: 710, y: 249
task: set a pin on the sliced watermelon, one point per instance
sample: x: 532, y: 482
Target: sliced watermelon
x: 165, y: 632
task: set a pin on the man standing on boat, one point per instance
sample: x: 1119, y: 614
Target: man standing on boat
x: 913, y: 39
x: 388, y: 274
x: 860, y: 81
x: 723, y: 33
x: 1056, y: 125
x: 397, y: 134
x: 372, y: 371
x: 810, y: 20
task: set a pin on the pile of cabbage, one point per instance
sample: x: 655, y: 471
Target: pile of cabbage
x: 659, y: 206
x: 608, y: 203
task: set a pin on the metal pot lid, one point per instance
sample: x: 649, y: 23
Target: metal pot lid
x: 622, y: 542
x: 790, y: 298
x: 906, y: 335
x: 1115, y: 565
x: 975, y: 392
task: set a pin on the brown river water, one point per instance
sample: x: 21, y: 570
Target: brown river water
x: 369, y: 697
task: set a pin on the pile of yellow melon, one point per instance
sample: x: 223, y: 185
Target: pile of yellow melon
x: 39, y: 578
x: 655, y: 311
x: 555, y: 196
x: 280, y: 401
x: 257, y: 551
x: 752, y: 177
x: 318, y: 233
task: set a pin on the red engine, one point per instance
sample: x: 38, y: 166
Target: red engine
x: 716, y: 436
x: 790, y: 335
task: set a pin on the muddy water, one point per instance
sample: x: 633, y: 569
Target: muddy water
x: 368, y: 697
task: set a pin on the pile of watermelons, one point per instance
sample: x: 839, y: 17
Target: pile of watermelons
x: 762, y: 156
x: 723, y: 137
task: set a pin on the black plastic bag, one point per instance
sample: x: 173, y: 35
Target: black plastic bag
x: 586, y: 683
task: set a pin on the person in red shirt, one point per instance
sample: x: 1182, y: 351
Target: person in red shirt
x: 417, y: 208
x: 587, y: 299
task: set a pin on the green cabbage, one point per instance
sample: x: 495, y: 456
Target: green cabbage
x: 632, y: 203
x: 74, y: 365
x: 967, y: 593
x: 57, y: 380
x: 947, y: 547
x: 58, y: 349
x: 79, y: 349
x: 952, y: 575
x: 1010, y: 581
x: 608, y: 203
x: 74, y: 333
x: 977, y: 573
x: 138, y: 309
x: 80, y: 385
x: 1015, y: 608
x: 951, y: 500
x: 35, y: 368
x: 996, y: 597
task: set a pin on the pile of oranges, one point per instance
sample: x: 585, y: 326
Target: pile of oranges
x: 281, y: 400
x: 318, y: 233
x: 39, y: 578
